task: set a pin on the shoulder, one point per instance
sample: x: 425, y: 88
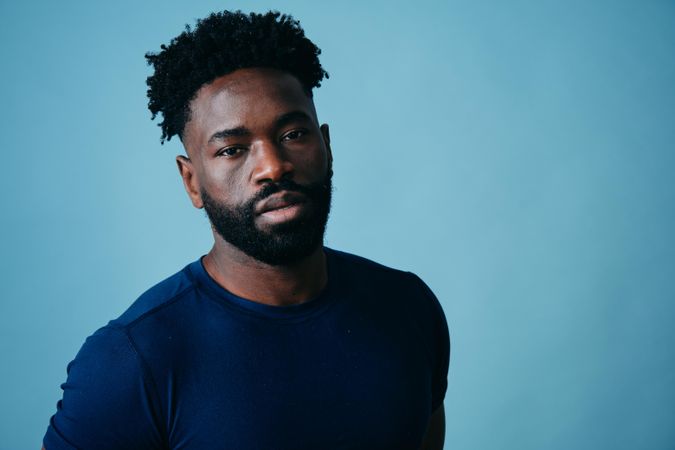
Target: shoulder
x: 358, y: 266
x: 114, y: 349
x: 162, y: 295
x: 357, y: 269
x: 401, y: 294
x: 106, y: 398
x: 389, y: 288
x: 110, y: 394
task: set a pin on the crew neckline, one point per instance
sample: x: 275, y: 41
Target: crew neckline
x: 299, y: 311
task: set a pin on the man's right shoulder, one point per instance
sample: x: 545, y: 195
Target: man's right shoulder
x: 162, y: 295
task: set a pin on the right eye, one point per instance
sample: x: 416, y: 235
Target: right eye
x: 229, y: 152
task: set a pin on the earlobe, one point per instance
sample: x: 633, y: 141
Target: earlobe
x: 190, y: 180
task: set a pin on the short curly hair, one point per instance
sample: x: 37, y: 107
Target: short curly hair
x: 222, y: 43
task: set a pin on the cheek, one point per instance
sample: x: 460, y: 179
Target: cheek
x: 224, y: 184
x: 324, y: 165
x: 314, y: 164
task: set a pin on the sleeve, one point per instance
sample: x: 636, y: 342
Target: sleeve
x: 440, y: 345
x: 107, y: 400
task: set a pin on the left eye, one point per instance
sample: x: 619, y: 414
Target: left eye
x: 295, y: 134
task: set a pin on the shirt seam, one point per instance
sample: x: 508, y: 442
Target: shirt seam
x: 147, y: 376
x: 215, y: 297
x: 178, y: 296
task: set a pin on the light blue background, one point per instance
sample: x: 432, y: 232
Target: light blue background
x: 519, y: 156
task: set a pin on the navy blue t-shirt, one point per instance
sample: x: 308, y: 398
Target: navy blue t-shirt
x: 191, y: 366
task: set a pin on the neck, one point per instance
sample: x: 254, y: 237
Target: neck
x: 271, y: 285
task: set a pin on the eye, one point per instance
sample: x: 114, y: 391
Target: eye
x: 294, y: 134
x: 230, y: 152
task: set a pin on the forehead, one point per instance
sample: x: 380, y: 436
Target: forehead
x: 249, y: 98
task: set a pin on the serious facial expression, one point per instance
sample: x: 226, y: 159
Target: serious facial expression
x: 259, y: 163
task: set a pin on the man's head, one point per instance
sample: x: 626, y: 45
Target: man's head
x: 221, y: 44
x: 237, y: 91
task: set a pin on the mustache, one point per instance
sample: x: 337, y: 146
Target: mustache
x: 285, y: 185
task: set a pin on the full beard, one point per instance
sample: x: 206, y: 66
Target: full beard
x: 281, y: 244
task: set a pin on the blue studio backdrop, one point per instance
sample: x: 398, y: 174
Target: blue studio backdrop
x: 519, y: 156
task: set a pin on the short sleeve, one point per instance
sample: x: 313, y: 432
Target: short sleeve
x: 107, y: 401
x: 440, y: 348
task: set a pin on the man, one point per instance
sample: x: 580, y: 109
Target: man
x: 271, y: 340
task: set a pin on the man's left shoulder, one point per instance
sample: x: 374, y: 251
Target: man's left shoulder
x: 359, y: 262
x: 380, y: 276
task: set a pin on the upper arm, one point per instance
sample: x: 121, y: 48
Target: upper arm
x: 434, y: 437
x: 107, y: 401
x: 439, y: 343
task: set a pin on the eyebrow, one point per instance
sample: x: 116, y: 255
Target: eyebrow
x: 231, y: 132
x: 281, y: 121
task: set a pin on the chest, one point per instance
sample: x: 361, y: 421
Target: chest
x: 343, y: 381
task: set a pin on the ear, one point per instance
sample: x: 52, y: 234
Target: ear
x: 190, y: 180
x: 325, y: 132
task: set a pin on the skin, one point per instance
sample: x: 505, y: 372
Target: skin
x: 277, y: 135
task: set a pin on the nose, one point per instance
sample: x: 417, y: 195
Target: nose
x: 271, y: 164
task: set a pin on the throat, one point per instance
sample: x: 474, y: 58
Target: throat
x: 274, y: 285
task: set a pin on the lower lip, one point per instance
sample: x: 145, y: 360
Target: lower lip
x: 285, y: 214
